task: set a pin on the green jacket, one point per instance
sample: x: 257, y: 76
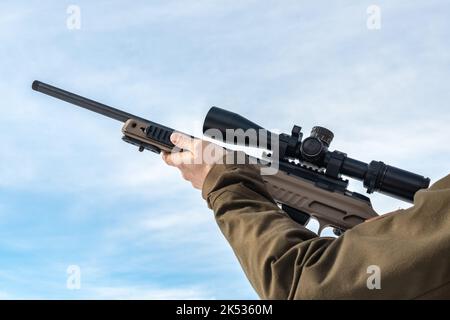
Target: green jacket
x: 284, y: 260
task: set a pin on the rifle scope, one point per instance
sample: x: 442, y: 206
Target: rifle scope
x: 376, y: 176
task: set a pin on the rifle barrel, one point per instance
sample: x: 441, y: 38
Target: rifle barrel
x: 85, y: 103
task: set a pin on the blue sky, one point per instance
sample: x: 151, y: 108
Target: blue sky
x: 71, y: 192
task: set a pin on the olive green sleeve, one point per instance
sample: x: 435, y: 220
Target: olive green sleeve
x: 284, y: 260
x: 270, y: 246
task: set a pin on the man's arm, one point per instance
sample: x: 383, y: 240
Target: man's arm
x: 284, y: 260
x: 270, y: 246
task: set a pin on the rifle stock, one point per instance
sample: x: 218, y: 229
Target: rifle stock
x: 330, y: 209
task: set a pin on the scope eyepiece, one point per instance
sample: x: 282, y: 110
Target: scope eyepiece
x: 393, y: 181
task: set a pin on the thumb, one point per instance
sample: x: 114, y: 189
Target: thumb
x: 182, y: 141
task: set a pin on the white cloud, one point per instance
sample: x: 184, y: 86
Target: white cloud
x: 5, y: 296
x: 140, y: 293
x: 182, y: 219
x: 384, y: 94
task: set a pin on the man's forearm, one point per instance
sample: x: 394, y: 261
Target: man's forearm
x: 265, y: 240
x: 284, y: 260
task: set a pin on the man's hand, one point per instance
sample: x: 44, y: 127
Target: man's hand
x: 196, y: 159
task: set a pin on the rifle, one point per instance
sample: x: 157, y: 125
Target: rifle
x: 308, y: 182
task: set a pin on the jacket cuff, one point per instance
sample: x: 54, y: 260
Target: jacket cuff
x: 211, y: 178
x: 230, y: 161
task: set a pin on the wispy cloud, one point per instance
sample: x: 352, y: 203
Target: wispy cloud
x: 72, y: 192
x: 137, y: 293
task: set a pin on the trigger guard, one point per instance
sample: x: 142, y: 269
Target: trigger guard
x: 323, y: 224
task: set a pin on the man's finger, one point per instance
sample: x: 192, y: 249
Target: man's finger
x: 175, y: 159
x: 182, y: 141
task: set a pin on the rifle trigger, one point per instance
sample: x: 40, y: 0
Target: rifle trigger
x: 297, y: 215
